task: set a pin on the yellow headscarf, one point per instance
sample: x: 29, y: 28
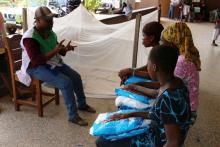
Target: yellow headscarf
x: 180, y: 35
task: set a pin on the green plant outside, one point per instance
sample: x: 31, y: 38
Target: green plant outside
x: 92, y: 5
x: 18, y: 19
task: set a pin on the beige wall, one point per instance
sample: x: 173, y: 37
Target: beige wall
x: 148, y: 3
x: 143, y: 3
x: 164, y: 7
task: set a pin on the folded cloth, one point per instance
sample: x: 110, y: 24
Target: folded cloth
x: 124, y: 103
x: 111, y: 129
x: 124, y: 107
x: 125, y: 93
x: 136, y: 79
x: 129, y: 134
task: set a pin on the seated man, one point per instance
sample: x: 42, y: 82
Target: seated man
x: 41, y: 59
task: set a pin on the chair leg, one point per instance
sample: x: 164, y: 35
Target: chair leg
x: 57, y: 96
x: 6, y: 83
x: 14, y: 96
x: 39, y: 99
x: 17, y: 106
x: 33, y: 93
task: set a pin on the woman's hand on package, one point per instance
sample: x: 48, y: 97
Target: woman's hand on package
x: 134, y: 88
x: 124, y: 73
x: 118, y: 116
x: 131, y: 87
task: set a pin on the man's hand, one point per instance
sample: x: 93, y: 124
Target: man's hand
x: 69, y: 47
x: 59, y: 47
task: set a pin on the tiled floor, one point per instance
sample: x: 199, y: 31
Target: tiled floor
x: 25, y: 129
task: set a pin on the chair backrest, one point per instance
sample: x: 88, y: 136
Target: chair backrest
x: 14, y: 52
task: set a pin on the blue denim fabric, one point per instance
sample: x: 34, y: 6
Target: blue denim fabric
x: 171, y: 12
x: 66, y: 80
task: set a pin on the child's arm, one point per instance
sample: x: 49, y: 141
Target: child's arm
x: 143, y: 68
x: 173, y: 136
x: 120, y: 116
x: 151, y: 85
x: 152, y: 93
x: 140, y: 73
x: 142, y: 90
x: 125, y: 73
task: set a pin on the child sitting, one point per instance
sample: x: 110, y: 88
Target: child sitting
x: 170, y: 113
x: 151, y: 37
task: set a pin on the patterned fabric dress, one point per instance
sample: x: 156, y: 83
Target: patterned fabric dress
x: 172, y: 107
x: 186, y: 70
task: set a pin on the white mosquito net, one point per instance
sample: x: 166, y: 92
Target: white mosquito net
x: 102, y: 50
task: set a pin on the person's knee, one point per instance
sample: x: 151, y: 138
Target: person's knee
x: 76, y: 76
x: 65, y: 83
x: 100, y: 142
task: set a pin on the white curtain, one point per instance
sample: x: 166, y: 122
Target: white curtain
x: 102, y: 50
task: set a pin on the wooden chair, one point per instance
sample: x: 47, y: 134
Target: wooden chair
x: 4, y: 86
x: 14, y: 52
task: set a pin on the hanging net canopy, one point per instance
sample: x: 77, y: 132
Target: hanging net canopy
x: 102, y: 50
